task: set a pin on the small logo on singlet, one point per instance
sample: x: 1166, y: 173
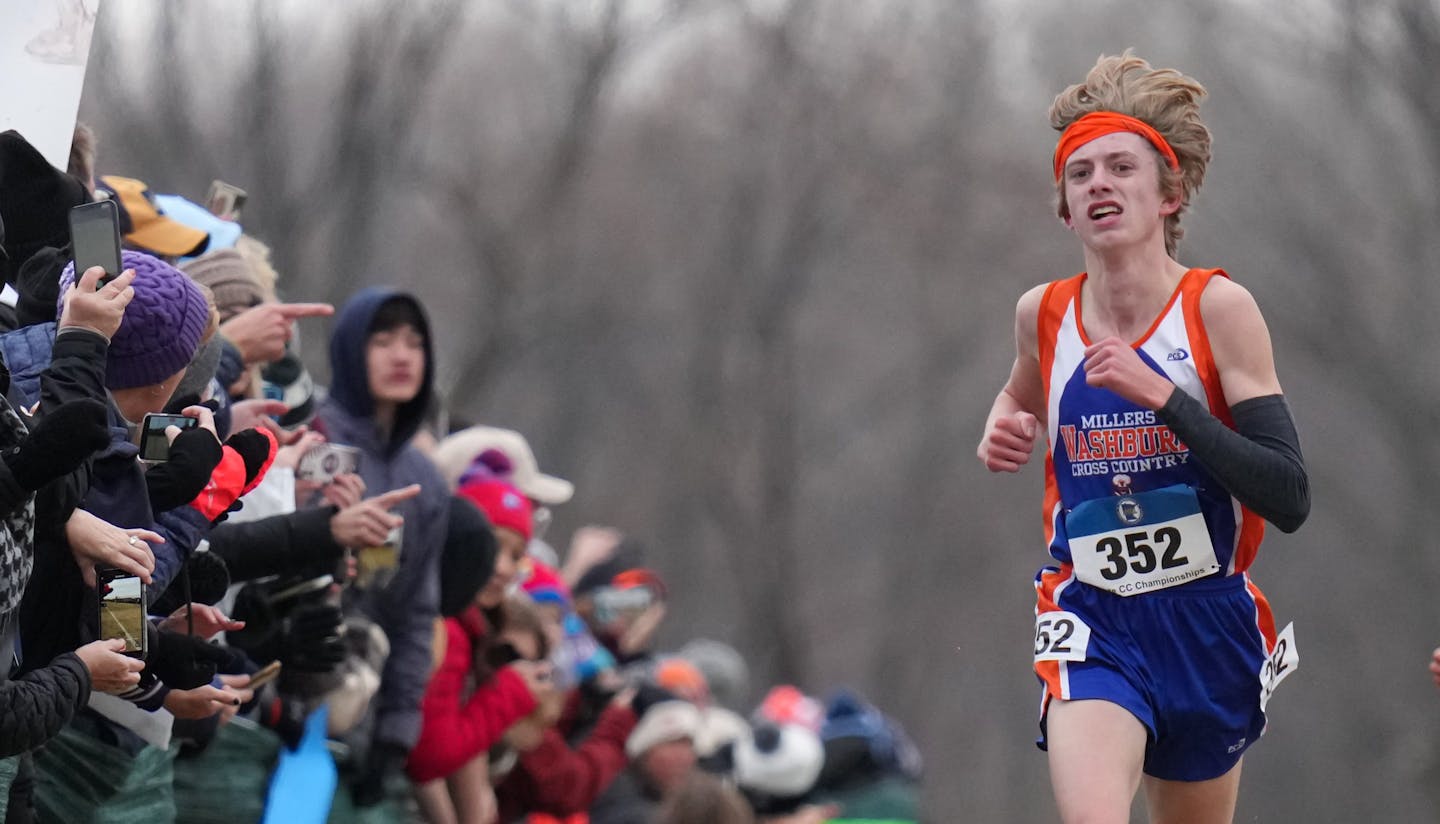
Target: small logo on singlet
x: 1129, y: 511
x: 1177, y: 355
x: 1236, y: 747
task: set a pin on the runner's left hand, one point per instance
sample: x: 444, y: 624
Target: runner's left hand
x: 1112, y: 364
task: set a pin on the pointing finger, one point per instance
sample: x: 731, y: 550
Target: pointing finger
x: 305, y: 310
x: 395, y: 496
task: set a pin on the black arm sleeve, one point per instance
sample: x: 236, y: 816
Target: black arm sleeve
x: 76, y: 370
x: 1258, y: 462
x: 278, y: 545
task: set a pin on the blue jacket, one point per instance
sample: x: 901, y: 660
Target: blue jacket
x: 407, y: 606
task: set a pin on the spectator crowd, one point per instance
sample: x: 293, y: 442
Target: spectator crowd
x: 347, y: 614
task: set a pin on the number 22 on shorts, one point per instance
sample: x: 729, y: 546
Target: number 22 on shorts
x: 1283, y: 660
x: 1061, y: 636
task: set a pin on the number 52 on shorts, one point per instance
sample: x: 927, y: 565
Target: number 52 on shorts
x: 1061, y: 636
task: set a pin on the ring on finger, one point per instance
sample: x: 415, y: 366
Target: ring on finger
x: 131, y: 540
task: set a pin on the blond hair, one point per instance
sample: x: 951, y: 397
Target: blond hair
x: 212, y: 324
x: 1163, y: 98
x: 257, y: 254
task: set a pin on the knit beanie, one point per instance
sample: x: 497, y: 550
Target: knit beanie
x: 39, y: 285
x: 162, y: 325
x: 200, y: 372
x: 777, y: 766
x: 786, y: 704
x: 502, y: 504
x: 545, y: 586
x: 467, y: 559
x: 230, y: 276
x: 286, y: 380
x: 724, y: 669
x: 682, y: 678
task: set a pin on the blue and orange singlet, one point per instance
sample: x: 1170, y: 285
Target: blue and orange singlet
x: 1103, y: 447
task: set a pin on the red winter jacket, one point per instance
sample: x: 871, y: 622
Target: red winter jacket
x: 455, y: 729
x: 553, y: 778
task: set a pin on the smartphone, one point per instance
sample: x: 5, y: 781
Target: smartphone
x: 264, y: 675
x: 95, y: 238
x: 326, y: 460
x: 154, y: 446
x: 225, y: 200
x: 124, y: 604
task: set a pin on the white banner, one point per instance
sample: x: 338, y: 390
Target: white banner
x: 44, y: 45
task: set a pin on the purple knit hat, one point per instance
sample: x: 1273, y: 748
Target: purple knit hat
x: 162, y: 325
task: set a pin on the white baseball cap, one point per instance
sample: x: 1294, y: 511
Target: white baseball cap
x: 459, y: 450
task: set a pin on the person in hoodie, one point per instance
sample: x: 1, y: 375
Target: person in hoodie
x: 382, y: 367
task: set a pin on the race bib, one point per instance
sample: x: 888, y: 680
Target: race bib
x: 1134, y: 544
x: 1284, y: 660
x: 1061, y: 636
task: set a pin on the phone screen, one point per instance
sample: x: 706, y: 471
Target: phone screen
x: 154, y: 446
x: 95, y: 238
x: 122, y: 609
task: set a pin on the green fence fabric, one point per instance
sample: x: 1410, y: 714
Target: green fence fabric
x: 394, y: 808
x: 8, y: 766
x: 889, y: 799
x: 82, y: 780
x: 226, y: 783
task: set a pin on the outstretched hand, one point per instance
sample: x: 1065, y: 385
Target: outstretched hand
x: 369, y: 522
x: 261, y: 332
x: 208, y: 621
x: 203, y: 701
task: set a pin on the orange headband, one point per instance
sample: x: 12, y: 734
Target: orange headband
x: 1099, y: 124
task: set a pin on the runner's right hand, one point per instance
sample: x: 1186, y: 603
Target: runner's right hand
x: 1008, y: 442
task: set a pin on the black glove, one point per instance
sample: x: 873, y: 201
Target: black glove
x: 313, y: 638
x: 61, y: 441
x: 184, y: 662
x: 257, y: 447
x: 193, y: 457
x: 386, y: 759
x: 260, y: 636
